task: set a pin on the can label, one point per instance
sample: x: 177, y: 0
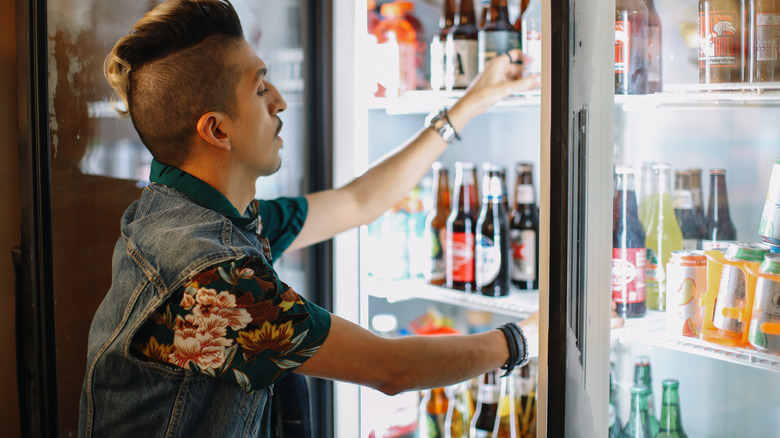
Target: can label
x: 523, y: 255
x: 764, y: 331
x: 770, y: 265
x: 622, y: 46
x: 718, y: 39
x: 628, y: 275
x: 732, y: 298
x: 770, y: 219
x: 488, y: 261
x: 462, y: 251
x: 687, y: 282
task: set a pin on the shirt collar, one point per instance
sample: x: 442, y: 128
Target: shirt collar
x: 202, y: 193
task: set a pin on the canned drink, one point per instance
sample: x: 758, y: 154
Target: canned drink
x: 732, y: 292
x: 686, y: 283
x: 770, y: 265
x: 770, y: 219
x: 764, y: 330
x: 774, y: 245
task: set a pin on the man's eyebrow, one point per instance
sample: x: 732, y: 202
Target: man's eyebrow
x: 260, y: 74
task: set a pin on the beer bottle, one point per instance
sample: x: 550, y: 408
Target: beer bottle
x: 638, y: 425
x: 628, y: 249
x: 643, y: 376
x: 507, y: 423
x: 519, y: 20
x: 630, y: 47
x: 436, y: 226
x: 764, y: 59
x: 497, y: 35
x: 698, y: 200
x: 461, y: 48
x: 720, y: 41
x: 459, y: 411
x: 484, y: 10
x: 526, y: 378
x: 524, y: 231
x: 671, y: 418
x: 433, y: 411
x: 719, y: 230
x: 662, y: 237
x: 614, y: 414
x: 655, y: 83
x: 683, y: 210
x: 438, y: 43
x: 531, y: 38
x: 461, y: 230
x: 486, y: 409
x: 492, y: 239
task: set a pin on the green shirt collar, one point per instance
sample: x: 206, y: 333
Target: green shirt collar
x: 201, y: 192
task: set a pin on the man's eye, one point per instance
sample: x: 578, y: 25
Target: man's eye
x: 262, y: 92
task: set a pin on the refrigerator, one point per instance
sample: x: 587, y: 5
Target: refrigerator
x: 81, y: 165
x: 576, y: 131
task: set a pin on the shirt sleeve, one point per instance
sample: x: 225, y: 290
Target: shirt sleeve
x: 235, y: 321
x: 282, y: 220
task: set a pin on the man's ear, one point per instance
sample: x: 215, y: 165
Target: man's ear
x: 211, y: 128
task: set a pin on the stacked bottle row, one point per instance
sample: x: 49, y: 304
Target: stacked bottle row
x: 642, y: 421
x: 491, y: 406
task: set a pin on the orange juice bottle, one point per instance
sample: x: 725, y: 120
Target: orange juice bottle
x: 397, y: 42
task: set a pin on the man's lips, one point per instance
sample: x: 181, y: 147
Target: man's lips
x: 278, y: 128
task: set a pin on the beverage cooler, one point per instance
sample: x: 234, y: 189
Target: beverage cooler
x: 627, y: 139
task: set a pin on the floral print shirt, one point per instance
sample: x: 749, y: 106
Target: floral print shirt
x: 237, y: 320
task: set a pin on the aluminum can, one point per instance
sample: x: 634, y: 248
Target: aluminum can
x: 764, y: 330
x: 732, y: 292
x: 770, y: 219
x: 686, y: 283
x: 774, y: 245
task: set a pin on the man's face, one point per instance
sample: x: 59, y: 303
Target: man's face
x: 255, y: 126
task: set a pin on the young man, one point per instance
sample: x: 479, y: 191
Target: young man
x: 197, y: 328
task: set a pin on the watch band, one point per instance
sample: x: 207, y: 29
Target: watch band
x: 439, y: 121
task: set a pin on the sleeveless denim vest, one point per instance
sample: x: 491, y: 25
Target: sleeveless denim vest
x: 166, y: 238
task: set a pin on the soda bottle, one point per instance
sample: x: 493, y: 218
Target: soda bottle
x: 630, y: 47
x: 492, y: 239
x: 638, y: 425
x: 719, y: 230
x: 524, y: 231
x: 671, y: 418
x: 643, y: 377
x: 628, y: 249
x: 397, y: 40
x: 647, y: 190
x: 459, y: 412
x: 531, y: 37
x: 461, y: 230
x: 446, y: 21
x: 497, y: 35
x: 655, y: 82
x: 519, y: 20
x: 683, y: 209
x: 614, y: 414
x: 698, y: 200
x: 486, y: 409
x: 433, y: 411
x: 507, y: 419
x: 662, y: 237
x: 461, y: 48
x: 720, y: 41
x: 419, y: 31
x: 764, y: 60
x: 436, y: 226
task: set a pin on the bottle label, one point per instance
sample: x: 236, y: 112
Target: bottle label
x: 622, y: 46
x: 488, y: 261
x: 682, y: 200
x: 492, y: 44
x: 462, y: 251
x: 718, y: 39
x: 524, y: 194
x: 532, y: 53
x: 523, y: 255
x: 628, y: 275
x: 653, y: 53
x: 437, y: 269
x: 461, y: 62
x: 767, y: 37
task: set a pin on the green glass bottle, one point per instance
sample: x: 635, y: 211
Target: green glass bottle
x: 671, y: 418
x: 643, y: 376
x: 638, y: 425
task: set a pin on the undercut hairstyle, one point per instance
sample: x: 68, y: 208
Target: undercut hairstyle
x: 173, y: 67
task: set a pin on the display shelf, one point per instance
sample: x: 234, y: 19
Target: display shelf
x: 704, y: 96
x: 650, y: 331
x: 518, y: 303
x: 425, y: 101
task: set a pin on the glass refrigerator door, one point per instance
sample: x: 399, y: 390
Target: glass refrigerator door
x: 726, y: 379
x: 95, y: 166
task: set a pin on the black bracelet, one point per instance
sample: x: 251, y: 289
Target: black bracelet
x: 447, y: 117
x: 518, y: 351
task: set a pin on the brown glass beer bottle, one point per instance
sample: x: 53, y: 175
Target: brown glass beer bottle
x: 630, y: 47
x: 720, y: 41
x: 519, y: 21
x: 436, y: 225
x: 439, y: 42
x: 461, y: 48
x: 486, y: 409
x: 492, y: 239
x: 497, y: 35
x: 764, y: 55
x: 461, y: 230
x: 719, y: 230
x: 524, y: 231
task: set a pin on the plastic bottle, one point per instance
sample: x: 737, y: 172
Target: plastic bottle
x: 397, y: 44
x: 419, y: 30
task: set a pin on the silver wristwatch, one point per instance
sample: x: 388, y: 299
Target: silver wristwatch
x: 439, y: 121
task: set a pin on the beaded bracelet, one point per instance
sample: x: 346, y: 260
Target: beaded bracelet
x: 518, y: 351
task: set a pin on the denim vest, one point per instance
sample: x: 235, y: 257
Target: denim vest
x: 166, y: 238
